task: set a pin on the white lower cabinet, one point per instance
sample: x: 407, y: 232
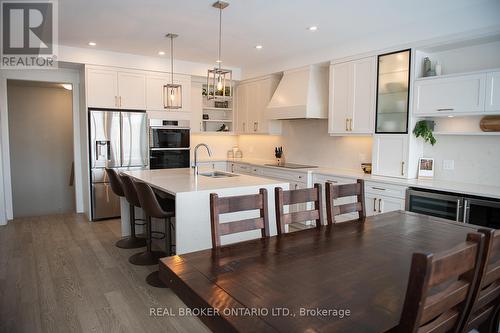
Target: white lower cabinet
x: 383, y: 198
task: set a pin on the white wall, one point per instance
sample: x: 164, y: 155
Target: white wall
x: 477, y: 158
x: 125, y: 60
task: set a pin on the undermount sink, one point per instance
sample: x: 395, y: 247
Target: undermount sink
x: 217, y: 174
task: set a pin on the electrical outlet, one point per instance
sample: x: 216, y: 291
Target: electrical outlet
x: 448, y: 165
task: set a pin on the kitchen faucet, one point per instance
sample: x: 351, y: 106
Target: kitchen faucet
x: 196, y: 155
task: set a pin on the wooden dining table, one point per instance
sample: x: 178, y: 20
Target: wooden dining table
x: 348, y: 277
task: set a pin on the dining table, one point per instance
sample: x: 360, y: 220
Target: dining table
x: 345, y: 277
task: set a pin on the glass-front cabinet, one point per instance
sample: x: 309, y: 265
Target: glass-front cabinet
x: 393, y: 80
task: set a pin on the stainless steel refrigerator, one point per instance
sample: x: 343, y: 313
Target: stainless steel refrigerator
x: 118, y: 139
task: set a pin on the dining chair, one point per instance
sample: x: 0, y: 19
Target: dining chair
x: 440, y: 287
x: 336, y: 192
x: 291, y: 197
x: 233, y: 204
x: 132, y: 241
x: 484, y: 311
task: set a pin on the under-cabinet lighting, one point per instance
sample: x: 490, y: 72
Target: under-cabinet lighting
x: 92, y: 43
x: 67, y: 86
x: 312, y: 28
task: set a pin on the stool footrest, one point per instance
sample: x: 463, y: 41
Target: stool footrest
x: 162, y: 235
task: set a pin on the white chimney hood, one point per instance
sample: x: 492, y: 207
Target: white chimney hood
x: 302, y: 93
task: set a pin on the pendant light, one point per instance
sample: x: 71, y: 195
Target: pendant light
x: 172, y: 93
x: 219, y: 80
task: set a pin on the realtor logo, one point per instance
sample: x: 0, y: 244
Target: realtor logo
x: 29, y: 32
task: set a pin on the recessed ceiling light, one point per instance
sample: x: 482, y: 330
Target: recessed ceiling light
x: 92, y: 43
x: 258, y: 47
x: 218, y: 61
x: 161, y: 53
x: 312, y: 28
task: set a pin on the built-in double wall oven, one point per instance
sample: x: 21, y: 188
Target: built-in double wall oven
x: 169, y: 144
x: 475, y: 210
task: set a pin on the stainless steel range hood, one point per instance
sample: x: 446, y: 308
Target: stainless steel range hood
x: 301, y: 94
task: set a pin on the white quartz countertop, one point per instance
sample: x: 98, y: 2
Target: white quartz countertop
x: 175, y: 181
x: 490, y: 191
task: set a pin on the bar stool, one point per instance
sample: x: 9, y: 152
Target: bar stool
x: 131, y: 242
x: 148, y: 257
x: 152, y: 208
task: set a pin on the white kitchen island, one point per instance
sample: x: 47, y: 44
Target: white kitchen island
x: 192, y: 203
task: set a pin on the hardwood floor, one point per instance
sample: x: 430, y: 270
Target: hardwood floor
x: 63, y: 274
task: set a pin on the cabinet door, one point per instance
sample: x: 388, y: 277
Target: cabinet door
x: 371, y: 205
x: 154, y: 92
x: 102, y: 88
x: 492, y: 92
x: 340, y: 98
x: 390, y: 155
x: 363, y: 108
x: 388, y: 204
x: 461, y: 94
x: 241, y: 108
x: 132, y: 91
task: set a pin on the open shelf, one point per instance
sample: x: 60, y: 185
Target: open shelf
x: 218, y: 120
x: 218, y: 109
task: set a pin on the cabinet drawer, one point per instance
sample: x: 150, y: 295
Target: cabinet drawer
x: 388, y: 190
x: 300, y: 177
x: 322, y: 179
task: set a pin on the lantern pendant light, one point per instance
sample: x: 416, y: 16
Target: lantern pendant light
x: 172, y: 93
x: 219, y: 80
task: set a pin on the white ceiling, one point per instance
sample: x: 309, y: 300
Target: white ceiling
x: 138, y: 26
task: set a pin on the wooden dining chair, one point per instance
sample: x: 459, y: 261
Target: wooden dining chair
x: 233, y: 204
x: 484, y: 311
x: 291, y: 197
x: 440, y: 287
x: 335, y: 192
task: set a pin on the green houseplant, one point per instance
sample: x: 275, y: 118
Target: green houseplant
x: 424, y: 129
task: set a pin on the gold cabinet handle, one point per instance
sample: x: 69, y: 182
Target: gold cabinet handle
x: 346, y: 123
x: 402, y: 168
x: 350, y: 124
x: 244, y: 127
x: 116, y: 101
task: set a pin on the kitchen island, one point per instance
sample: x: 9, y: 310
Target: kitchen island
x: 192, y: 205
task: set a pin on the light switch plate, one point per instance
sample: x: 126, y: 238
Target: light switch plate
x: 448, y: 165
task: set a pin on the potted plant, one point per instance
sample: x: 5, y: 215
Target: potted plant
x: 424, y: 129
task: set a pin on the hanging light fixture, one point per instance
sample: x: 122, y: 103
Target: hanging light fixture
x: 172, y: 92
x: 219, y: 80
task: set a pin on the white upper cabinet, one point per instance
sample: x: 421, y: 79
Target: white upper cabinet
x: 441, y: 96
x: 102, y: 88
x: 132, y: 90
x: 109, y: 88
x: 154, y: 92
x: 492, y: 102
x: 390, y: 155
x: 352, y: 97
x: 252, y: 98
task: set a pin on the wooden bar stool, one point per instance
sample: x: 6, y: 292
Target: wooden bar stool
x: 335, y: 192
x: 292, y: 197
x: 148, y: 257
x: 131, y: 242
x: 234, y: 204
x: 152, y: 208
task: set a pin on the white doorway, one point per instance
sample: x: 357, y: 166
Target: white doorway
x: 41, y: 147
